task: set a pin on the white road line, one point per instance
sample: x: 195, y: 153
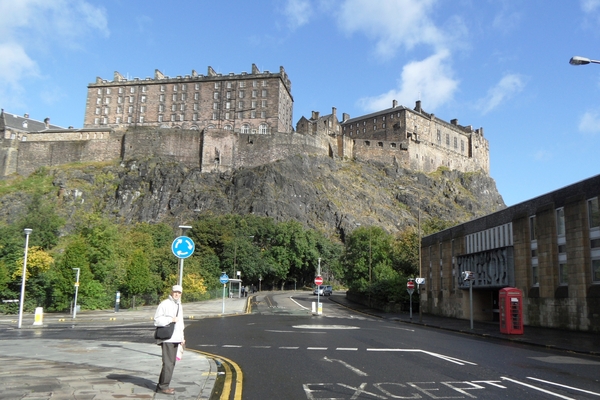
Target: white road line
x: 298, y: 304
x: 564, y: 386
x: 276, y: 331
x: 350, y: 367
x: 288, y: 348
x: 207, y: 345
x: 316, y: 348
x: 443, y: 357
x: 232, y: 345
x: 347, y: 348
x: 400, y: 329
x: 536, y: 388
x: 260, y: 347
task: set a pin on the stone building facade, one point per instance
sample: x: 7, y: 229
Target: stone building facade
x: 256, y: 102
x: 548, y: 247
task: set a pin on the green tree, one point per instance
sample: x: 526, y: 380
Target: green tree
x: 42, y: 218
x: 138, y: 278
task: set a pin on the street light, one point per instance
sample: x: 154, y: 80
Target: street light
x: 23, y: 278
x: 582, y: 61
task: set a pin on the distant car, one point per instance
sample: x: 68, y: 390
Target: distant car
x: 323, y: 290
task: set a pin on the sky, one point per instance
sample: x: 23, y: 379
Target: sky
x: 502, y: 65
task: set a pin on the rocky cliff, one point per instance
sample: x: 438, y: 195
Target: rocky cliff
x: 332, y: 195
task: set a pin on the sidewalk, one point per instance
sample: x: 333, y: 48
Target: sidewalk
x: 84, y: 369
x: 576, y: 342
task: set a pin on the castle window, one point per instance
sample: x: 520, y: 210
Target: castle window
x: 174, y: 97
x: 131, y: 99
x: 228, y: 95
x: 240, y: 115
x: 132, y: 89
x: 217, y: 84
x: 227, y: 105
x: 227, y: 115
x: 380, y: 144
x: 374, y: 127
x: 254, y: 93
x: 197, y: 86
x: 447, y: 139
x: 161, y: 97
x: 196, y: 96
x: 183, y: 96
x: 254, y: 84
x: 262, y: 129
x: 195, y: 106
x: 241, y: 104
x: 263, y: 114
x: 253, y: 104
x: 172, y: 117
x: 264, y: 83
x: 367, y: 143
x: 141, y: 119
x: 183, y: 86
x: 245, y: 128
x: 263, y: 103
x: 97, y: 113
x: 181, y: 117
x: 120, y: 90
x: 98, y: 100
x: 393, y: 145
x: 228, y: 127
x: 173, y: 107
x: 383, y: 126
x: 175, y: 87
x: 118, y: 120
x: 130, y: 109
x: 96, y: 121
x: 119, y: 110
x: 383, y: 117
x: 99, y: 91
x: 364, y: 130
x: 161, y: 107
x: 104, y: 121
x: 107, y: 100
x: 456, y: 143
x: 195, y: 117
x: 216, y: 95
x: 215, y: 106
x: 143, y: 99
x: 144, y: 89
x: 107, y: 90
x: 439, y: 136
x: 106, y: 110
x: 241, y: 94
x: 129, y: 119
x: 119, y: 100
x: 243, y: 84
x: 160, y: 118
x: 264, y: 93
x: 462, y: 146
x: 252, y: 114
x: 214, y: 115
x: 374, y: 120
x: 162, y: 88
x: 364, y: 123
x: 182, y: 107
x: 228, y: 85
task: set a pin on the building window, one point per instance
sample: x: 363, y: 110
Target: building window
x: 195, y: 106
x: 532, y: 228
x: 160, y: 118
x: 143, y: 109
x: 560, y: 221
x: 380, y: 144
x: 245, y: 128
x: 217, y: 85
x: 215, y: 106
x: 184, y: 86
x: 161, y: 97
x: 367, y: 143
x: 131, y: 99
x: 254, y: 93
x: 253, y: 104
x: 228, y: 127
x: 162, y: 88
x: 264, y: 93
x: 393, y: 145
x: 240, y: 104
x: 227, y: 115
x: 243, y: 84
x: 143, y: 99
x: 195, y: 117
x: 240, y: 115
x: 183, y: 96
x: 120, y: 90
x: 132, y: 89
x: 252, y: 114
x: 182, y: 107
x: 214, y: 115
x: 161, y: 107
x: 173, y: 107
x: 118, y: 120
x: 462, y: 146
x: 262, y: 129
x: 142, y: 119
x: 534, y: 256
x: 241, y: 94
x: 130, y: 109
x: 98, y: 100
x: 216, y: 95
x: 119, y: 110
x: 175, y: 88
x: 119, y: 100
x: 264, y: 83
x: 174, y: 97
x: 227, y: 105
x: 594, y: 213
x: 263, y: 103
x: 228, y: 85
x: 456, y: 143
x: 99, y: 91
x: 172, y: 117
x: 144, y: 89
x: 228, y: 95
x: 447, y: 139
x: 197, y: 86
x: 97, y: 113
x: 181, y: 117
x: 96, y: 121
x: 196, y: 96
x: 129, y: 119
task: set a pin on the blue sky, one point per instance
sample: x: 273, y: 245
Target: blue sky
x: 501, y: 65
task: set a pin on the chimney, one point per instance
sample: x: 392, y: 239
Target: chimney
x: 345, y: 117
x: 394, y: 103
x: 47, y: 122
x: 315, y: 115
x: 454, y: 121
x: 334, y: 111
x: 418, y: 106
x: 26, y: 115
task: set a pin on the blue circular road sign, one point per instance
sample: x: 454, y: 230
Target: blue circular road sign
x: 224, y: 279
x: 183, y: 247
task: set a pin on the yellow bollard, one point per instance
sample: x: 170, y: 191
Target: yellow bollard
x: 39, y: 316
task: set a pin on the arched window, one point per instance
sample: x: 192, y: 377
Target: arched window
x: 228, y: 127
x: 211, y: 126
x: 262, y: 129
x: 245, y: 128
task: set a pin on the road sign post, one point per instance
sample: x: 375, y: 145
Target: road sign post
x: 420, y: 281
x: 224, y: 279
x: 410, y: 286
x: 319, y: 282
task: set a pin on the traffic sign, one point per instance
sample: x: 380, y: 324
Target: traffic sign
x: 318, y: 280
x: 224, y: 279
x: 410, y: 285
x: 420, y: 281
x: 183, y: 247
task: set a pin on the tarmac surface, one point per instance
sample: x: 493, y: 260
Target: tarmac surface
x: 37, y: 368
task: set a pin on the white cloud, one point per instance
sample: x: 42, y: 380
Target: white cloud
x: 393, y: 24
x: 590, y: 6
x: 297, y: 12
x: 542, y: 155
x: 504, y: 90
x: 590, y: 122
x: 29, y: 29
x: 429, y: 80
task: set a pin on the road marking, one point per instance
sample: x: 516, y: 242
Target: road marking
x: 232, y: 345
x: 316, y: 348
x: 325, y: 327
x: 298, y: 304
x: 536, y: 388
x: 345, y: 364
x: 347, y: 348
x: 443, y: 357
x: 288, y: 348
x: 564, y: 386
x: 261, y: 347
x: 492, y: 383
x: 400, y: 329
x: 276, y: 331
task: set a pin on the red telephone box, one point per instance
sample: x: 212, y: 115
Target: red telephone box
x: 511, y: 311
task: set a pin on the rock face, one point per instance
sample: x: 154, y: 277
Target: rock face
x: 331, y: 195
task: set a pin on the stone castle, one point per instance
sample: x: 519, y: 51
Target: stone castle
x: 222, y: 122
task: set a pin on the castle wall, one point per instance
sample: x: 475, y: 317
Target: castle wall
x: 176, y: 145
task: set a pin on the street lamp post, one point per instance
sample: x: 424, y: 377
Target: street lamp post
x: 76, y: 290
x: 23, y: 278
x: 577, y: 60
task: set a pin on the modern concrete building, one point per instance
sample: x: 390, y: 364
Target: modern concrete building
x: 548, y: 247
